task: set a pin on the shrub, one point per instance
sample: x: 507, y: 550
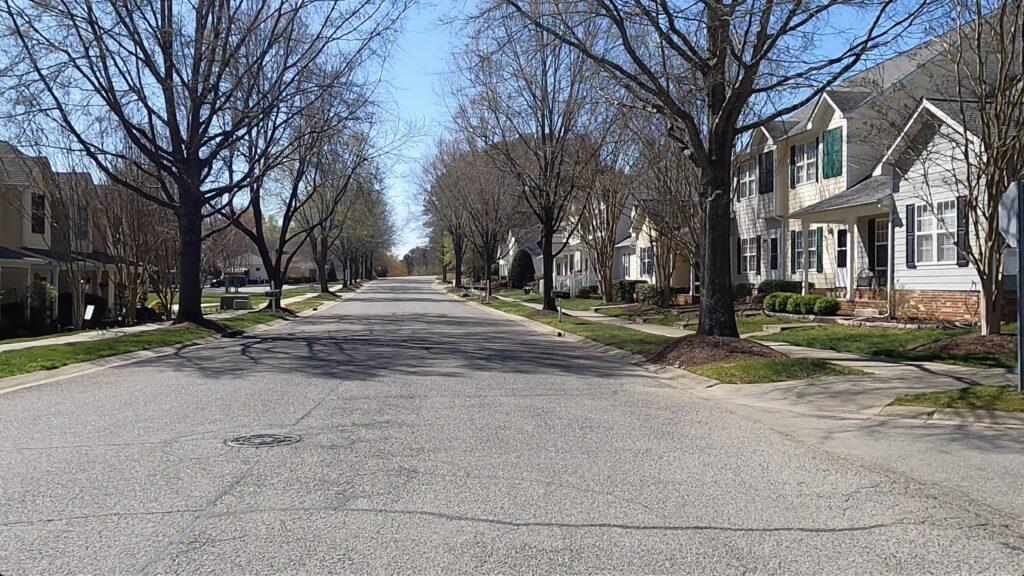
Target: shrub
x: 624, y: 289
x: 826, y: 306
x: 768, y: 303
x: 650, y: 295
x: 594, y: 288
x: 584, y: 292
x: 521, y: 272
x: 807, y: 303
x: 779, y: 301
x: 773, y: 286
x: 793, y: 304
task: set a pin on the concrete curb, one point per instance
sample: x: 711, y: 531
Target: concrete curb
x: 931, y: 414
x: 30, y: 379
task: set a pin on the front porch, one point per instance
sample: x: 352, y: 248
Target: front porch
x: 860, y: 231
x: 19, y: 270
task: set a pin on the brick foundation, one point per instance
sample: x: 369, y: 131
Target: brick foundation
x: 947, y: 305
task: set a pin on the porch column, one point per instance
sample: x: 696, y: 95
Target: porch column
x: 805, y: 227
x: 26, y: 296
x: 852, y: 253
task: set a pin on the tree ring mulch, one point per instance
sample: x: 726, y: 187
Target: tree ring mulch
x: 971, y: 344
x: 697, y: 349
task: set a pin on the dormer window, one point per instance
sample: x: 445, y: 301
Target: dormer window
x: 746, y: 185
x: 803, y: 163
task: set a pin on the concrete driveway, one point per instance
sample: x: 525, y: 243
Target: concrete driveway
x: 438, y: 438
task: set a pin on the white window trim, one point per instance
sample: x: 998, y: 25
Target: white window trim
x: 804, y: 163
x: 746, y: 180
x: 923, y: 212
x: 881, y: 226
x: 748, y: 256
x: 812, y: 251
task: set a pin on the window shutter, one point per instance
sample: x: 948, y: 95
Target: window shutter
x: 871, y: 244
x: 963, y: 244
x: 739, y: 257
x: 911, y: 246
x: 758, y: 269
x: 842, y: 243
x: 792, y: 251
x: 817, y: 157
x: 766, y: 172
x: 838, y: 163
x: 792, y: 166
x: 818, y: 253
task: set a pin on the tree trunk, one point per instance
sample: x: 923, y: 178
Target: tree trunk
x: 459, y: 250
x: 321, y: 265
x: 990, y: 307
x: 717, y: 317
x: 190, y: 232
x: 548, y: 258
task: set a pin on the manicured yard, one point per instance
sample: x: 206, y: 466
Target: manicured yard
x: 1001, y: 398
x: 752, y: 324
x: 608, y: 334
x: 889, y: 342
x: 665, y: 319
x: 764, y: 370
x: 16, y: 362
x: 566, y: 303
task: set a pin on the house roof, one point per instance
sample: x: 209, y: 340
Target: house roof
x: 628, y: 242
x: 966, y: 113
x: 869, y: 191
x: 527, y: 239
x: 16, y: 167
x: 847, y: 100
x: 11, y: 254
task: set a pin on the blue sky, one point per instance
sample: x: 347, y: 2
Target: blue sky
x: 419, y: 61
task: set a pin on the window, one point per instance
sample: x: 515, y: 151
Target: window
x: 933, y: 232
x: 773, y: 253
x: 812, y: 248
x: 842, y: 244
x: 647, y: 261
x: 38, y: 214
x: 746, y: 186
x: 748, y: 255
x: 766, y: 172
x: 82, y: 226
x: 881, y: 243
x: 810, y: 243
x: 625, y: 264
x: 798, y: 250
x: 805, y: 162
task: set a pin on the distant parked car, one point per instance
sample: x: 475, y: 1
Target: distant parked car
x: 218, y: 283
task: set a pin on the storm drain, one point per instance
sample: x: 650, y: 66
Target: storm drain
x: 262, y: 440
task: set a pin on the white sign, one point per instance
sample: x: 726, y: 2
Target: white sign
x: 1008, y: 214
x: 88, y: 311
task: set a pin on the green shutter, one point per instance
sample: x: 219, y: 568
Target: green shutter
x: 792, y: 251
x: 832, y: 164
x: 819, y: 252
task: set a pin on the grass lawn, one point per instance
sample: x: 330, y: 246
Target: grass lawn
x: 43, y: 337
x: 752, y: 324
x: 765, y: 370
x: 608, y: 334
x: 16, y: 362
x: 1002, y: 398
x: 313, y: 302
x: 668, y: 319
x: 888, y: 342
x: 577, y: 304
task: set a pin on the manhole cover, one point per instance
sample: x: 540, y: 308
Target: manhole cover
x: 262, y: 440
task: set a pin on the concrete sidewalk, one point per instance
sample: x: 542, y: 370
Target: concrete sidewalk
x: 92, y: 335
x: 667, y: 331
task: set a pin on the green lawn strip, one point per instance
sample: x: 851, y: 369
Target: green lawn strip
x: 752, y: 324
x: 608, y: 334
x: 312, y: 302
x: 1001, y: 398
x: 1010, y: 328
x: 890, y: 343
x: 36, y: 338
x: 16, y: 362
x: 767, y: 370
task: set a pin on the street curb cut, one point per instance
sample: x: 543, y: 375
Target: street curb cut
x: 930, y: 414
x: 39, y: 377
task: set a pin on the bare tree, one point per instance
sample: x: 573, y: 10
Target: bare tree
x: 528, y: 97
x: 441, y: 205
x: 128, y: 226
x: 748, y: 63
x: 183, y: 83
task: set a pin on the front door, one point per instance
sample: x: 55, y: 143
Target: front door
x: 842, y: 257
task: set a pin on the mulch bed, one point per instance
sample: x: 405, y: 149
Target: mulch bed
x: 696, y: 349
x: 971, y: 344
x: 642, y: 310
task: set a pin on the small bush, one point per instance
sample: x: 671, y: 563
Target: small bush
x: 650, y: 295
x: 584, y: 292
x: 780, y: 301
x: 768, y: 302
x: 807, y: 303
x: 773, y: 286
x: 521, y: 271
x: 826, y: 306
x: 624, y: 289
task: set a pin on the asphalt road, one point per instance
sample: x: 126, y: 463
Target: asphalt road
x: 438, y: 438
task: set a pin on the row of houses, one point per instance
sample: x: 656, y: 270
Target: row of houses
x: 860, y: 194
x: 31, y: 252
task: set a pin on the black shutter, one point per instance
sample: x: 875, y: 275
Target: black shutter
x: 792, y: 251
x: 871, y: 244
x: 842, y: 246
x: 739, y: 257
x: 817, y: 158
x: 766, y: 172
x: 773, y: 253
x: 758, y: 269
x: 792, y: 167
x: 819, y: 265
x: 911, y: 246
x: 963, y: 244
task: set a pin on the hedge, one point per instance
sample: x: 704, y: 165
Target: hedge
x: 773, y: 286
x: 650, y: 295
x: 624, y: 289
